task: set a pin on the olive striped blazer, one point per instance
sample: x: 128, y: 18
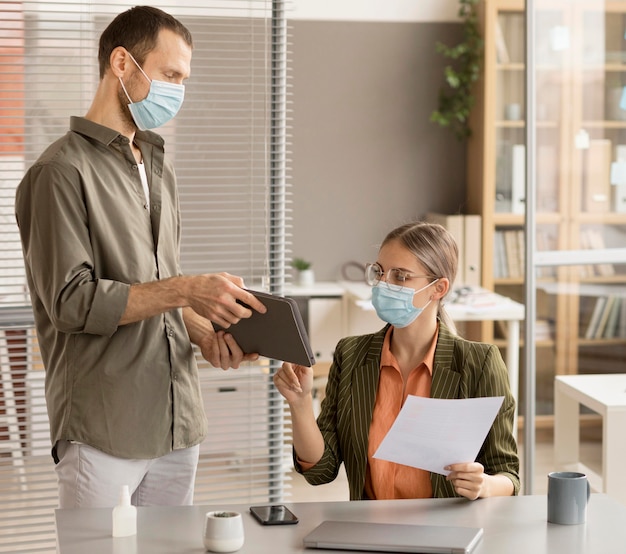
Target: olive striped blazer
x: 462, y: 369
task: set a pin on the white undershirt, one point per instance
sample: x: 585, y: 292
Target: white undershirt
x: 144, y: 182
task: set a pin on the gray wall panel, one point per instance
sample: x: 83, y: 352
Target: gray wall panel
x: 365, y: 155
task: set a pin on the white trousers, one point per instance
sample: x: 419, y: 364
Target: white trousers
x: 89, y: 478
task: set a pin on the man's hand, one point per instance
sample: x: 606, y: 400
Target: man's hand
x: 213, y: 296
x: 221, y: 350
x: 218, y: 297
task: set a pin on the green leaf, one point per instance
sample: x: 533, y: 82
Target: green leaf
x: 455, y: 100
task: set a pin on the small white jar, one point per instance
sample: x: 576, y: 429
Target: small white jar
x: 223, y: 531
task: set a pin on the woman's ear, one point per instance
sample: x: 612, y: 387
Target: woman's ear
x: 442, y: 286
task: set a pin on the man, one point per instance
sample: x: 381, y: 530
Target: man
x: 99, y: 222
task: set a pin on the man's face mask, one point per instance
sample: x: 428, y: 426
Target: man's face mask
x: 162, y: 103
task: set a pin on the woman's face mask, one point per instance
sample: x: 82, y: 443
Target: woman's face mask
x: 160, y: 106
x: 395, y: 305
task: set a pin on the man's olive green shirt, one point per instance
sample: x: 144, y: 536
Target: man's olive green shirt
x: 87, y: 234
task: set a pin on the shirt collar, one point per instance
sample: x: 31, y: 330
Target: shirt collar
x: 388, y: 359
x: 106, y: 135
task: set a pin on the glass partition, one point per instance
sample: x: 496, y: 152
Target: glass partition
x: 575, y: 77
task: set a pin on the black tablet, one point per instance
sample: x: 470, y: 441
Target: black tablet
x: 279, y: 333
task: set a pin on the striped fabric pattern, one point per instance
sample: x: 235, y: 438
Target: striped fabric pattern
x: 462, y: 369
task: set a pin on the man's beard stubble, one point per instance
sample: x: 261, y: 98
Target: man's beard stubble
x: 125, y: 114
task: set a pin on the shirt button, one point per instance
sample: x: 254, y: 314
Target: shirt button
x: 171, y: 333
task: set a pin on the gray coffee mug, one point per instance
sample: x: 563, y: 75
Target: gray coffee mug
x: 568, y: 495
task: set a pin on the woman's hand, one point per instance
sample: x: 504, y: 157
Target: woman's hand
x: 471, y: 481
x: 294, y: 382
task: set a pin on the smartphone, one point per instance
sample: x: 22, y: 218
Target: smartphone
x: 276, y: 514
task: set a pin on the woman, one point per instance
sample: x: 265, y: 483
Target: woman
x: 417, y: 353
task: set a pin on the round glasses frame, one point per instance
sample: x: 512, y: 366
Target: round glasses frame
x: 394, y: 277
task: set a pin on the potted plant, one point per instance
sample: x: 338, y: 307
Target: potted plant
x: 455, y: 97
x: 304, y: 274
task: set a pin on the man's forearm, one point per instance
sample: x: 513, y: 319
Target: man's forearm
x: 217, y: 297
x: 147, y: 300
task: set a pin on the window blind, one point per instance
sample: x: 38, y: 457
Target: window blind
x: 229, y: 147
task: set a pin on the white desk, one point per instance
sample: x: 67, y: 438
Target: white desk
x: 606, y: 395
x: 501, y: 309
x: 512, y: 525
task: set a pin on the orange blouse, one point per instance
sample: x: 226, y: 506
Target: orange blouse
x: 385, y: 480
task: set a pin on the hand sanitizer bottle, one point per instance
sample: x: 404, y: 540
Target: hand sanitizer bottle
x: 124, y: 516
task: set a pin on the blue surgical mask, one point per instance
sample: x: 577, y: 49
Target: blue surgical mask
x: 395, y: 305
x: 162, y: 103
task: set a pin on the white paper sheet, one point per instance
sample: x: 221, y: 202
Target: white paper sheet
x: 431, y: 433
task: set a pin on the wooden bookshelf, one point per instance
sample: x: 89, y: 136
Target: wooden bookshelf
x: 580, y: 131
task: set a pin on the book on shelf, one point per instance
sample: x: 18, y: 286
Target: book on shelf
x: 509, y: 254
x: 467, y: 231
x: 518, y: 252
x: 503, y: 180
x: 513, y: 29
x: 621, y: 324
x: 518, y: 178
x: 545, y: 243
x: 513, y: 252
x: 543, y: 329
x: 592, y: 238
x: 604, y: 317
x: 500, y: 270
x: 618, y: 179
x: 611, y: 330
x: 608, y: 319
x: 596, y: 315
x: 597, y: 242
x: 586, y: 270
x: 502, y: 52
x: 511, y: 249
x: 511, y: 178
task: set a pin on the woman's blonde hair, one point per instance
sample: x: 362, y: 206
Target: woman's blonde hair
x: 435, y: 249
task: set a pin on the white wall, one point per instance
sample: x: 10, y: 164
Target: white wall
x: 376, y: 10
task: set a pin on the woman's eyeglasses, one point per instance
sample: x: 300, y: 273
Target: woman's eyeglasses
x: 393, y: 276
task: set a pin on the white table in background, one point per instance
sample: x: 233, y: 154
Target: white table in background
x: 605, y: 394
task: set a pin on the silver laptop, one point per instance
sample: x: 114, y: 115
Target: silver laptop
x: 393, y: 537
